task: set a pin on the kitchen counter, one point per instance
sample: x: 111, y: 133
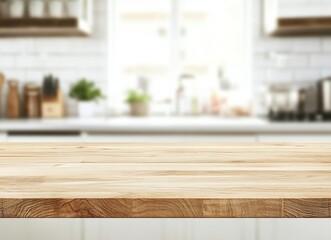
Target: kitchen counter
x: 166, y: 180
x: 165, y: 125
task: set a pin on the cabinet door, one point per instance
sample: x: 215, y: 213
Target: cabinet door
x: 123, y: 229
x: 222, y: 229
x: 40, y: 229
x: 294, y: 229
x: 169, y: 229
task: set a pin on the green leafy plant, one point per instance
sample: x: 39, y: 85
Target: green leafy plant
x: 137, y: 97
x: 85, y: 90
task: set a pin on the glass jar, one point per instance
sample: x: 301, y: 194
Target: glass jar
x: 32, y: 101
x: 75, y: 8
x: 16, y: 8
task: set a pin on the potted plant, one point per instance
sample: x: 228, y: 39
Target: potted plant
x: 138, y: 103
x: 86, y: 93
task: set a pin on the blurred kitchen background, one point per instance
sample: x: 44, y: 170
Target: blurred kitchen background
x: 248, y: 68
x: 165, y: 70
x: 108, y: 59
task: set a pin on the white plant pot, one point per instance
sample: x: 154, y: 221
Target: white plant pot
x: 56, y: 9
x: 16, y: 8
x: 37, y: 8
x: 75, y: 8
x: 86, y: 109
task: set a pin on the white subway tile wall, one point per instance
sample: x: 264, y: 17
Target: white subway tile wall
x: 289, y: 59
x: 304, y: 8
x: 29, y: 59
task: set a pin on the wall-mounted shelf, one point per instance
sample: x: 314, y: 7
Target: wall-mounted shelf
x: 303, y: 26
x: 44, y: 27
x: 77, y: 22
x: 296, y: 19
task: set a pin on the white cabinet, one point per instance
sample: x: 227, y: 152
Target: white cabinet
x: 123, y: 229
x: 40, y: 229
x: 169, y: 229
x: 294, y: 229
x: 224, y: 229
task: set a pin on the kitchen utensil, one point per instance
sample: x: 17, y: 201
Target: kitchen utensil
x: 50, y: 86
x: 283, y: 102
x: 299, y: 101
x: 13, y: 101
x: 52, y: 105
x: 311, y: 102
x: 324, y: 90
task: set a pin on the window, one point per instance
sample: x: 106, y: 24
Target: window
x: 157, y: 42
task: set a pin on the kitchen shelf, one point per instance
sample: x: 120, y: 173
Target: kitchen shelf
x: 44, y: 27
x: 303, y: 26
x: 298, y: 21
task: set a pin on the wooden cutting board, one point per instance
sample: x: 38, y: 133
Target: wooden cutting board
x: 166, y: 180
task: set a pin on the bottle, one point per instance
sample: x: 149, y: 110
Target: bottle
x: 187, y: 96
x: 13, y: 101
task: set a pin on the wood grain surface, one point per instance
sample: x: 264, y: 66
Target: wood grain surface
x: 165, y: 180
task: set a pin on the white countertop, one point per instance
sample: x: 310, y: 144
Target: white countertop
x: 166, y: 124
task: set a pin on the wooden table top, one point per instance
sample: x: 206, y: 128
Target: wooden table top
x: 166, y: 180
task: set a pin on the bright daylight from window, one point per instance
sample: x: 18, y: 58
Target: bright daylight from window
x: 191, y: 56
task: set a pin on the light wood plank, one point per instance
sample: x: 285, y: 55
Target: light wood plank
x: 169, y: 180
